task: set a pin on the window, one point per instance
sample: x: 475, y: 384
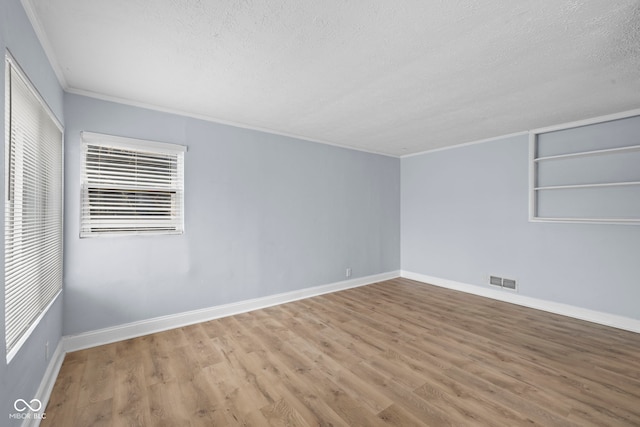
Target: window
x: 33, y: 208
x: 131, y: 186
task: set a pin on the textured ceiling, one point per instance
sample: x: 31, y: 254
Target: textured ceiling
x: 394, y: 77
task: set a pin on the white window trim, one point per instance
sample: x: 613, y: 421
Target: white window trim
x: 18, y: 345
x: 133, y: 143
x: 92, y: 138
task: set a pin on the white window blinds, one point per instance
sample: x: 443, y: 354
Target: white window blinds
x: 33, y: 208
x: 131, y: 186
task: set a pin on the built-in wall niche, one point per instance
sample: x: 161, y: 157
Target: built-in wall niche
x: 587, y: 171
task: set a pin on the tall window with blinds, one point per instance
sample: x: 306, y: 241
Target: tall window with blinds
x: 33, y: 207
x: 131, y: 186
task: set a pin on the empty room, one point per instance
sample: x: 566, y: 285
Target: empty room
x: 329, y: 213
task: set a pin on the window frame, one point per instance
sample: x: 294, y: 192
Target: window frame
x: 136, y: 224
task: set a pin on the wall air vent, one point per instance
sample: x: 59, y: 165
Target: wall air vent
x: 509, y: 283
x: 495, y: 280
x: 502, y: 282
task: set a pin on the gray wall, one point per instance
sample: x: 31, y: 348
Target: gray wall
x: 465, y: 216
x: 21, y: 378
x: 264, y: 214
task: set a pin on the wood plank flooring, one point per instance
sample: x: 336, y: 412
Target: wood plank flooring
x: 394, y: 353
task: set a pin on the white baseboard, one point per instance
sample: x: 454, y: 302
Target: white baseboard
x: 48, y: 380
x: 607, y: 319
x: 159, y: 324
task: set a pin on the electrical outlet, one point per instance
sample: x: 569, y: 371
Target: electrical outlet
x: 347, y: 273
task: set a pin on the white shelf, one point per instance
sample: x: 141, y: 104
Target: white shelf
x: 602, y: 204
x: 629, y: 148
x: 583, y: 220
x: 604, y: 184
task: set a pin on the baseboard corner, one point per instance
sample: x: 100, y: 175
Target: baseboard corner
x: 48, y: 381
x: 163, y: 323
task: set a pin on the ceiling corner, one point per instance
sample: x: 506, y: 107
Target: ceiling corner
x: 44, y: 42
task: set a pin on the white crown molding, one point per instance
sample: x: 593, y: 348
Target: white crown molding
x: 586, y: 122
x: 44, y: 41
x: 593, y: 316
x: 57, y: 69
x: 465, y: 144
x: 159, y: 324
x: 216, y: 120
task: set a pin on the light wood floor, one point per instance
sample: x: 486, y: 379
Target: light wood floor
x: 394, y: 353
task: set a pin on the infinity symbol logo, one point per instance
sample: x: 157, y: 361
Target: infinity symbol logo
x: 34, y: 406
